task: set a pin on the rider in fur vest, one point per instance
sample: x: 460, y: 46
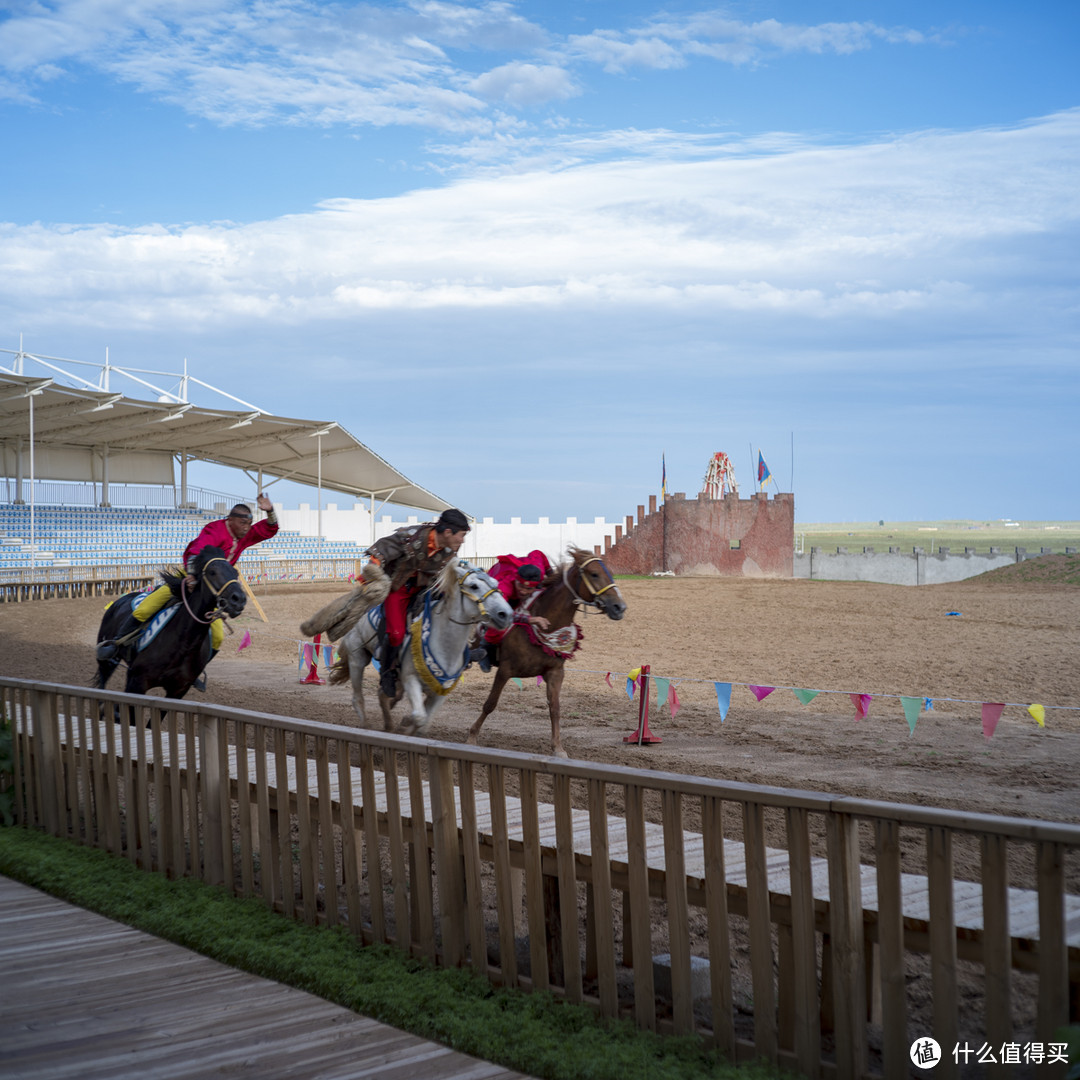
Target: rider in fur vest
x: 411, y: 557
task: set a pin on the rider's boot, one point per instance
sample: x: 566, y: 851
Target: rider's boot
x: 388, y: 669
x: 111, y: 648
x: 492, y: 656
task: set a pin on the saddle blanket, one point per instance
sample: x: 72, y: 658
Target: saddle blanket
x: 157, y: 623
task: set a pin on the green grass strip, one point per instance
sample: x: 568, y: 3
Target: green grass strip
x: 535, y: 1033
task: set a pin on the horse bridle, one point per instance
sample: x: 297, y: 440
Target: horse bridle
x: 479, y: 603
x: 593, y: 600
x: 216, y: 612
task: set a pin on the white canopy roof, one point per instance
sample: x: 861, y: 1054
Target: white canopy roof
x: 78, y: 423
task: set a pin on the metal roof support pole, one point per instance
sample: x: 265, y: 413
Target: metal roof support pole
x: 105, y: 477
x: 318, y: 452
x: 183, y: 478
x: 33, y: 541
x: 19, y: 500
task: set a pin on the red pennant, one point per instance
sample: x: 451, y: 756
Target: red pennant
x: 607, y: 679
x: 761, y: 692
x: 991, y: 714
x: 673, y: 701
x: 862, y: 705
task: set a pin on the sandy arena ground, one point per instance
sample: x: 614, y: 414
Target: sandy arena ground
x: 1013, y: 642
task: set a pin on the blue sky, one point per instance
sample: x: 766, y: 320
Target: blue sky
x: 523, y: 249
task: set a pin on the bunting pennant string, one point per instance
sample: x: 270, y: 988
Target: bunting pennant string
x: 991, y: 714
x: 761, y: 692
x: 805, y: 696
x: 862, y: 705
x: 912, y: 707
x: 1039, y: 713
x: 723, y: 698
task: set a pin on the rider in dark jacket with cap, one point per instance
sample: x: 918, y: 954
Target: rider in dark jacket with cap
x: 412, y: 558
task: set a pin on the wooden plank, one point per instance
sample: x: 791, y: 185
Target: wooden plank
x: 447, y: 860
x: 350, y: 865
x: 284, y: 826
x: 603, y: 921
x: 804, y: 1006
x: 682, y: 1001
x: 396, y: 840
x: 420, y: 879
x: 846, y: 936
x: 141, y: 780
x: 504, y: 890
x: 766, y: 1041
x: 939, y: 860
x: 69, y: 771
x: 890, y: 935
x: 534, y: 883
x: 716, y: 913
x: 640, y: 916
x: 326, y: 830
x: 996, y: 948
x: 470, y: 850
x: 308, y: 849
x: 568, y: 901
x: 1053, y: 1008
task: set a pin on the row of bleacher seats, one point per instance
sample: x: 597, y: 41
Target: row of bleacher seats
x: 89, y: 536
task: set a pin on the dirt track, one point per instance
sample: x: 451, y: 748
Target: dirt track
x: 1013, y: 642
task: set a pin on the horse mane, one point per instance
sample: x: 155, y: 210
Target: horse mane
x: 575, y: 557
x: 447, y: 578
x: 173, y: 576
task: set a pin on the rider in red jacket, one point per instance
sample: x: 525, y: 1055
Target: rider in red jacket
x: 233, y: 535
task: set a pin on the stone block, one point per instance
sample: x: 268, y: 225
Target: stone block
x: 699, y: 977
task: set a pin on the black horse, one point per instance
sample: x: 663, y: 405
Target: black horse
x: 177, y: 656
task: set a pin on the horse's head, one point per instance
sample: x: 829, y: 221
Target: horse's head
x: 482, y: 590
x: 217, y: 576
x: 592, y: 583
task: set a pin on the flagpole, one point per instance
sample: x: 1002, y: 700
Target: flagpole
x: 663, y: 508
x: 753, y: 465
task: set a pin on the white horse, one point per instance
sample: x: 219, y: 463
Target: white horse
x: 434, y: 652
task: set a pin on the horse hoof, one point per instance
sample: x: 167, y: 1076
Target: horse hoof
x: 560, y: 752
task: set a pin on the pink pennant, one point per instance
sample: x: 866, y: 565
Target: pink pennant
x: 244, y: 642
x: 862, y: 705
x: 673, y: 701
x: 761, y: 692
x: 991, y: 714
x: 307, y: 653
x: 539, y: 680
x: 607, y: 679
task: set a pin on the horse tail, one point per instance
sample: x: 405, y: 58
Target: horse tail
x: 339, y: 673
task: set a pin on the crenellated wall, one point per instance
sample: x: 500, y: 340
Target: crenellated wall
x: 729, y: 537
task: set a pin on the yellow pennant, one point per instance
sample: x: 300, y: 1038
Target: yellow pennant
x: 632, y: 675
x: 1039, y: 713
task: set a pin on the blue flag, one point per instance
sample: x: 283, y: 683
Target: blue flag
x: 763, y: 473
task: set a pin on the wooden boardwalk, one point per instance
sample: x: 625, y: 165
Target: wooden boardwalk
x: 85, y: 998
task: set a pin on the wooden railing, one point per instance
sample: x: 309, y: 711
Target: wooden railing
x: 581, y: 878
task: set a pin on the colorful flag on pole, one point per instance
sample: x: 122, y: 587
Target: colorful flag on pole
x: 663, y: 478
x: 763, y: 474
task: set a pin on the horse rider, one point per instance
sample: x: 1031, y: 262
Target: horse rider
x: 518, y: 578
x: 233, y: 534
x: 412, y: 558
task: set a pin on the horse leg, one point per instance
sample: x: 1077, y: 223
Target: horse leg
x: 553, y: 684
x: 417, y: 721
x: 357, y: 661
x: 502, y: 677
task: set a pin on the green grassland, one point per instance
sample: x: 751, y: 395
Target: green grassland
x: 931, y: 535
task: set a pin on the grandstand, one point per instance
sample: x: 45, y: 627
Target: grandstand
x: 126, y: 536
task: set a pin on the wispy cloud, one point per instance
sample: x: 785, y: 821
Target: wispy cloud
x: 419, y: 62
x: 952, y: 228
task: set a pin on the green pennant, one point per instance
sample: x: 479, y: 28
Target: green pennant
x: 662, y: 688
x: 805, y: 696
x: 520, y: 684
x: 912, y: 708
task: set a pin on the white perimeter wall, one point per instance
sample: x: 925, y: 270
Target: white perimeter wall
x: 488, y: 537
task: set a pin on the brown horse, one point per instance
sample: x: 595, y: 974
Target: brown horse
x: 582, y: 582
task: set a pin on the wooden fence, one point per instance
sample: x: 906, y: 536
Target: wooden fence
x: 777, y: 923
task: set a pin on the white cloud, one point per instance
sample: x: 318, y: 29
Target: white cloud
x: 944, y: 226
x: 524, y: 84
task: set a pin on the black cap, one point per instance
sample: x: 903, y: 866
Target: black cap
x: 529, y: 572
x: 454, y: 520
